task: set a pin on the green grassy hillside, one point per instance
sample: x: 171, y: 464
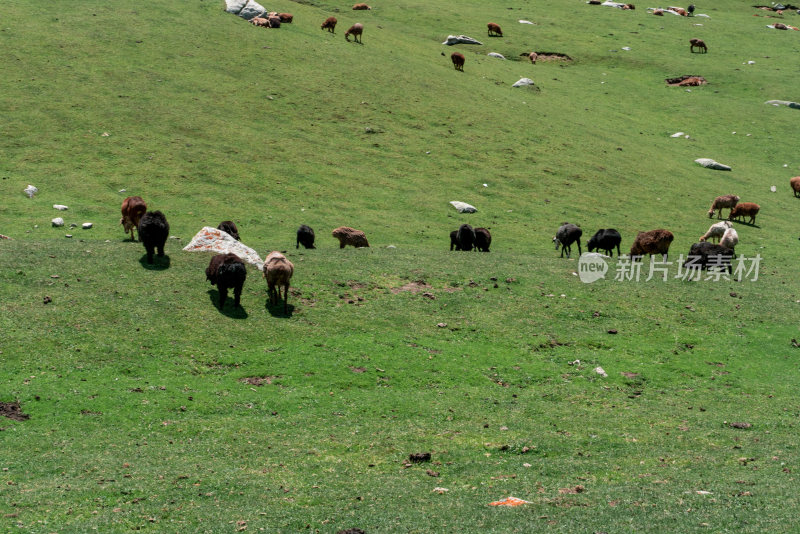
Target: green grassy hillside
x: 150, y: 409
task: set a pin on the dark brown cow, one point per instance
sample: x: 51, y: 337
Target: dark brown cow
x: 458, y: 60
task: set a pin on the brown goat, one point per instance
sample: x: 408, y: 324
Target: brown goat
x: 329, y: 24
x: 795, y: 183
x: 132, y: 210
x: 699, y: 43
x: 260, y: 21
x: 350, y: 236
x: 458, y: 60
x: 360, y: 7
x: 745, y: 209
x: 355, y: 30
x: 725, y: 201
x: 277, y: 272
x: 494, y: 29
x: 652, y: 242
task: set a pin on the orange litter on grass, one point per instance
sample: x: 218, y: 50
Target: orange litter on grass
x: 510, y: 501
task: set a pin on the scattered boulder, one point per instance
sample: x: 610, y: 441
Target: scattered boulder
x: 247, y: 9
x: 214, y: 240
x: 711, y: 164
x: 522, y: 82
x: 793, y: 105
x: 86, y: 225
x: 31, y: 190
x: 463, y: 207
x: 58, y: 221
x: 460, y: 39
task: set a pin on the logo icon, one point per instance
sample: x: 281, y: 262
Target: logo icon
x: 591, y: 267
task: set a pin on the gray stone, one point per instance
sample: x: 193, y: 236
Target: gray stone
x: 60, y: 207
x: 463, y: 207
x: 31, y: 190
x: 247, y: 9
x: 460, y: 39
x: 793, y: 105
x: 86, y: 226
x: 58, y: 221
x: 523, y: 82
x: 709, y: 163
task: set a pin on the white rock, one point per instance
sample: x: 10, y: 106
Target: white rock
x: 522, y: 82
x: 599, y: 370
x: 793, y: 105
x: 525, y: 22
x: 711, y: 164
x: 390, y: 246
x: 123, y: 190
x: 460, y: 39
x: 495, y: 54
x: 68, y: 235
x: 677, y: 134
x: 626, y: 48
x: 58, y: 221
x: 31, y: 190
x: 773, y: 188
x: 86, y: 225
x: 60, y: 207
x: 463, y: 207
x: 485, y: 185
x: 252, y: 9
x: 213, y: 240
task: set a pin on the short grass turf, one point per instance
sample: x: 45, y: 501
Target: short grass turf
x: 150, y: 409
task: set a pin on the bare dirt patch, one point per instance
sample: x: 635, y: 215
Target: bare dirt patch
x: 13, y: 411
x: 551, y: 56
x: 258, y: 380
x: 687, y: 80
x: 414, y: 287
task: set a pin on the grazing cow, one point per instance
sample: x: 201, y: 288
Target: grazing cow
x: 652, y: 242
x: 227, y: 271
x: 153, y: 233
x: 350, y: 236
x: 305, y: 236
x: 605, y: 240
x: 260, y: 21
x: 275, y: 22
x: 705, y: 255
x: 329, y: 24
x: 132, y: 210
x: 229, y: 227
x: 494, y: 29
x: 483, y: 239
x: 465, y: 236
x: 277, y: 272
x: 741, y: 210
x: 458, y: 60
x: 355, y: 30
x: 697, y: 43
x: 566, y: 235
x: 361, y: 7
x: 795, y: 183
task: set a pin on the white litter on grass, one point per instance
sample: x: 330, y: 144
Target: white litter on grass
x: 60, y: 207
x: 525, y: 22
x: 711, y: 164
x: 214, y: 240
x: 626, y: 47
x: 487, y: 185
x: 123, y: 190
x: 703, y: 492
x: 463, y: 207
x: 440, y: 491
x: 31, y: 190
x: 677, y: 134
x: 749, y: 63
x: 599, y: 370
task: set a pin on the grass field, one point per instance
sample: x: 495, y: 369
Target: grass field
x: 150, y: 409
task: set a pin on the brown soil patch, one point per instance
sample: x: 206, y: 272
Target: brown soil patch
x: 258, y: 380
x: 551, y: 56
x: 358, y: 369
x: 415, y: 287
x: 687, y: 80
x: 12, y: 411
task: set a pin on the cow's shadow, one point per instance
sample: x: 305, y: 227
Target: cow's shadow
x: 160, y: 263
x: 230, y: 310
